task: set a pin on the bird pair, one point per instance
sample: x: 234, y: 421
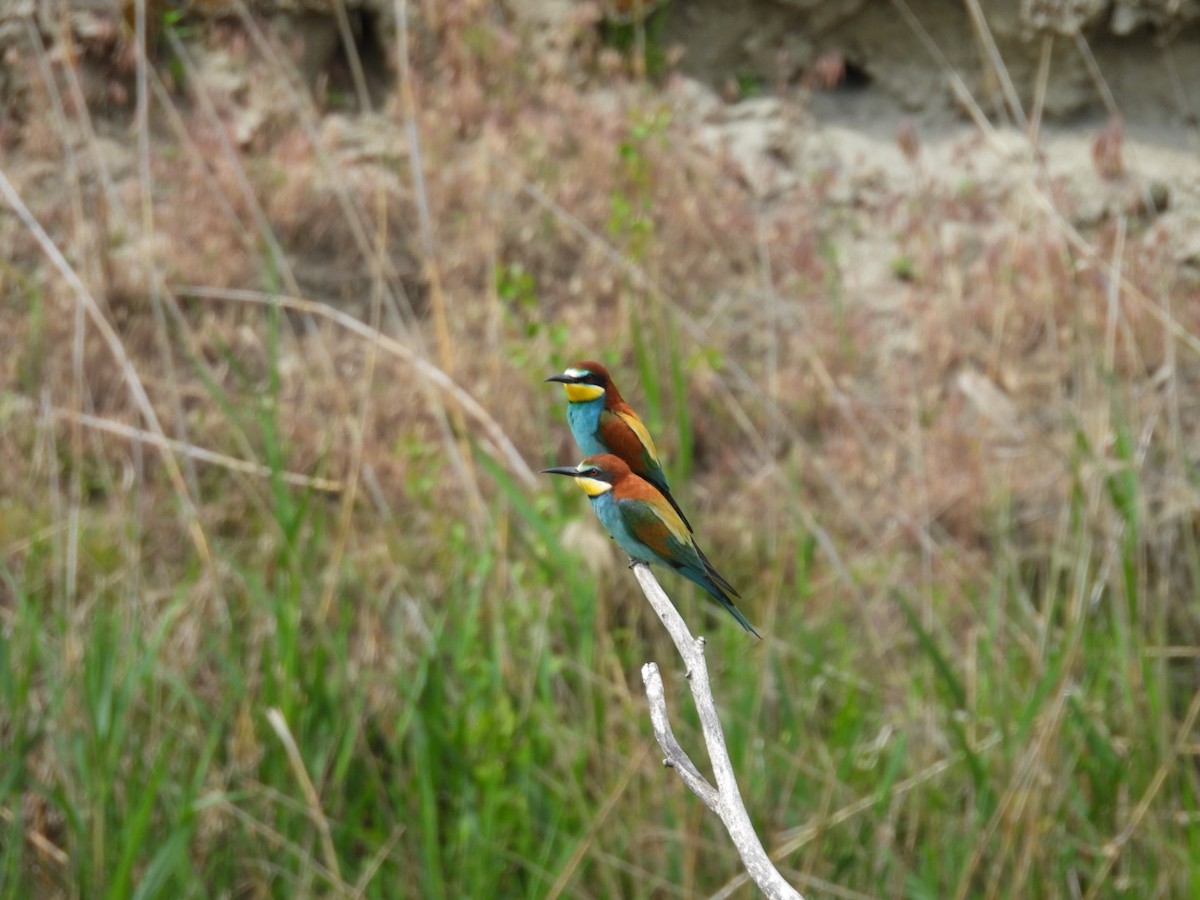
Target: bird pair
x: 627, y: 486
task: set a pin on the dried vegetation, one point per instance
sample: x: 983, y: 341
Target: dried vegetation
x: 962, y: 502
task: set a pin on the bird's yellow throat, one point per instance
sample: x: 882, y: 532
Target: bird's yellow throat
x: 593, y: 487
x: 582, y: 393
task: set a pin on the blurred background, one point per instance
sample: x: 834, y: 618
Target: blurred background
x: 907, y: 292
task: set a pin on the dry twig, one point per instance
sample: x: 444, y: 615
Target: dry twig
x: 724, y: 799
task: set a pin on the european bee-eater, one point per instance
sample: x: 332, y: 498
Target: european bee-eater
x: 602, y: 422
x: 646, y: 527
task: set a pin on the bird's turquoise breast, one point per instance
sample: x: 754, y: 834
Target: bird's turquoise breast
x: 584, y: 419
x: 610, y: 517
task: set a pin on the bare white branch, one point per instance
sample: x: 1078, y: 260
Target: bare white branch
x: 676, y: 757
x: 725, y: 799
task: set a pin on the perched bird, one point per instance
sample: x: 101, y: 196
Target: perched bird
x: 602, y: 422
x: 646, y: 527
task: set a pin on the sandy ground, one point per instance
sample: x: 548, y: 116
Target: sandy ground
x: 855, y: 138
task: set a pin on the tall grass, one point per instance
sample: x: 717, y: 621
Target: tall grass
x: 979, y: 678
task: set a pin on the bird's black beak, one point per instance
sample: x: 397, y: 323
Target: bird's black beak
x: 561, y: 470
x: 563, y: 378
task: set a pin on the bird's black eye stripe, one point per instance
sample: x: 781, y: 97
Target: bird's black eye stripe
x: 593, y: 378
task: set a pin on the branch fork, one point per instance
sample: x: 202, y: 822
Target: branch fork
x: 724, y: 799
